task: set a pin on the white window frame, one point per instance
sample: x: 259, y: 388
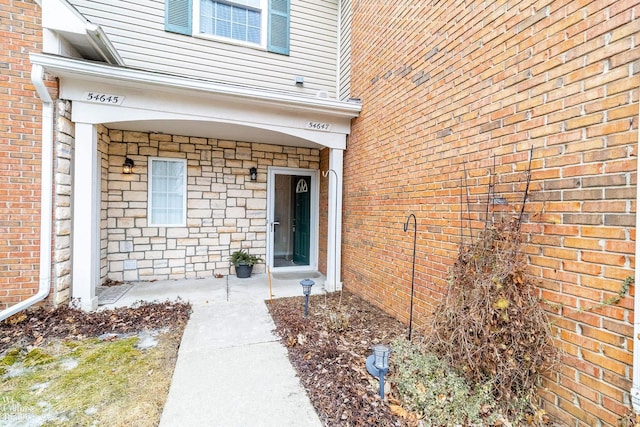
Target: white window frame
x: 183, y: 221
x: 264, y: 22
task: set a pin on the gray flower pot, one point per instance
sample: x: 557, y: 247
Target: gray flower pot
x: 243, y: 271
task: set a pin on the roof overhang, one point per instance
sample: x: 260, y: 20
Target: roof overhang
x: 76, y: 35
x: 156, y: 102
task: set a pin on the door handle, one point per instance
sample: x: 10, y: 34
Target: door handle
x: 273, y: 225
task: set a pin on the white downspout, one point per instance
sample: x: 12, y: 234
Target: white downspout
x: 46, y: 205
x: 635, y: 388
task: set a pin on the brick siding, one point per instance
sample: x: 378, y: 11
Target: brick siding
x: 20, y: 152
x: 448, y: 86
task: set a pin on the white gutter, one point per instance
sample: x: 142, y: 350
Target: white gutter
x: 46, y: 205
x: 635, y: 388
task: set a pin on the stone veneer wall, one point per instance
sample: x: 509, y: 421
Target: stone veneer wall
x: 225, y: 210
x: 103, y: 150
x: 63, y: 149
x: 63, y: 198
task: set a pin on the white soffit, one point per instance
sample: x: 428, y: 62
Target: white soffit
x: 86, y: 38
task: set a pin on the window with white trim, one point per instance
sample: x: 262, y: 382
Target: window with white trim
x: 237, y: 20
x: 167, y: 192
x: 262, y: 23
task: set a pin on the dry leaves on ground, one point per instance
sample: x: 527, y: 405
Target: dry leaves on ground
x: 328, y: 350
x: 38, y: 326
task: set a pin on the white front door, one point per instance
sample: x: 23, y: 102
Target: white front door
x: 292, y: 203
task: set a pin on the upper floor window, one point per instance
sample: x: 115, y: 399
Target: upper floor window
x: 232, y: 20
x: 257, y: 22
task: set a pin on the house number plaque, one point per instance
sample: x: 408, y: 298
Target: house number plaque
x: 319, y: 126
x: 103, y: 98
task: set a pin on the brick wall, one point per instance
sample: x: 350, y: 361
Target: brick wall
x: 20, y: 152
x: 448, y: 86
x: 225, y: 210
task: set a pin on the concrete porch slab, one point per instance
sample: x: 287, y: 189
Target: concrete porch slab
x: 228, y: 289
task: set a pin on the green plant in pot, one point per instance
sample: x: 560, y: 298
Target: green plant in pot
x: 243, y: 262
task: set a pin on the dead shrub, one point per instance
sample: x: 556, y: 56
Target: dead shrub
x: 490, y: 325
x: 337, y: 320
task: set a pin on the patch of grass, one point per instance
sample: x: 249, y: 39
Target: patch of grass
x: 89, y: 382
x: 37, y: 357
x: 11, y: 357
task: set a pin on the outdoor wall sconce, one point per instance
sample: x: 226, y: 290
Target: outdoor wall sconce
x: 378, y: 364
x: 306, y: 290
x: 127, y: 166
x: 253, y: 172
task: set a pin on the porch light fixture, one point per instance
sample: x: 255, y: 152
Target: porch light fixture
x: 253, y: 172
x: 378, y: 364
x: 127, y: 166
x: 306, y: 290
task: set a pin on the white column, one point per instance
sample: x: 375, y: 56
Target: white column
x: 86, y: 217
x: 334, y: 223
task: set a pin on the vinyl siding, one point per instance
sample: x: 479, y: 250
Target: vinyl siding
x: 136, y: 28
x: 344, y: 87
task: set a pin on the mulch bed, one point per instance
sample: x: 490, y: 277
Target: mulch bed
x: 41, y: 325
x: 328, y: 349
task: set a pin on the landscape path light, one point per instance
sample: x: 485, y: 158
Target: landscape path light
x: 378, y: 364
x: 306, y: 290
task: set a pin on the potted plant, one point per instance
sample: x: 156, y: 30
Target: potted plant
x: 243, y: 262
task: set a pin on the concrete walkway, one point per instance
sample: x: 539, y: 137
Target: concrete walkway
x: 231, y: 369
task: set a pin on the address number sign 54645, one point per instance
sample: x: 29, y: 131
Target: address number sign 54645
x: 104, y: 98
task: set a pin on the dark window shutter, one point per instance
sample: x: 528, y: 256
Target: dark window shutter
x: 278, y: 34
x: 177, y: 16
